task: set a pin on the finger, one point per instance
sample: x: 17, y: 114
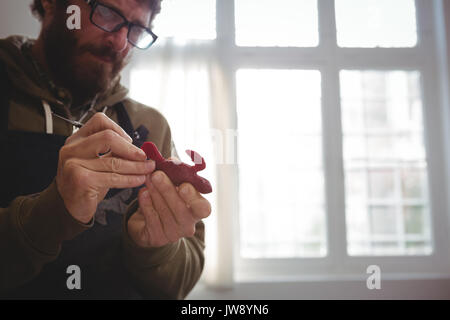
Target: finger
x: 118, y: 165
x: 102, y: 180
x: 170, y: 226
x: 99, y: 122
x: 201, y: 208
x: 100, y: 143
x: 153, y: 223
x: 177, y: 205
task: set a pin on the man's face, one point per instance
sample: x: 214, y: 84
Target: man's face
x: 86, y: 61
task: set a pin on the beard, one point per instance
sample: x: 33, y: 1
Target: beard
x: 83, y: 78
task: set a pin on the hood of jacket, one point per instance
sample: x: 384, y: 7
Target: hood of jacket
x: 24, y: 76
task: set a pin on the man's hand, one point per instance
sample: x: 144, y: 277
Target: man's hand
x: 166, y: 213
x: 84, y: 177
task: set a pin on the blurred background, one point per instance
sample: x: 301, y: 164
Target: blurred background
x: 325, y: 126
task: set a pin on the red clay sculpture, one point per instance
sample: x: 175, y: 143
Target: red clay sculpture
x: 177, y: 171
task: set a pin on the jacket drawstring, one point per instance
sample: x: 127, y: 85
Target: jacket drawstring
x: 48, y: 117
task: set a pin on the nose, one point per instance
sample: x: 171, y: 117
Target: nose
x: 118, y: 40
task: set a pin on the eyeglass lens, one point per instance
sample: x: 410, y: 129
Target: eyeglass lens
x: 109, y: 20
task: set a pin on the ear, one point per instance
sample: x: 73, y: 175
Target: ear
x: 49, y: 7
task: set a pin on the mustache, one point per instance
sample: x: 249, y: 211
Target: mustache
x: 103, y: 52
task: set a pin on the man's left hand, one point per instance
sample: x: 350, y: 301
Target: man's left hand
x: 166, y: 213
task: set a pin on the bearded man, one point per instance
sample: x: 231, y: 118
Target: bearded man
x: 83, y: 213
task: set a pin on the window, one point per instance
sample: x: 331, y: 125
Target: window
x: 370, y: 126
x: 385, y: 163
x: 335, y: 109
x: 297, y: 228
x: 376, y: 23
x: 258, y: 23
x: 176, y: 20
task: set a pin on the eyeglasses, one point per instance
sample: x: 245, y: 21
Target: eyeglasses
x: 110, y: 20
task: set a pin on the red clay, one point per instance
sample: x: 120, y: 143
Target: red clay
x: 179, y: 172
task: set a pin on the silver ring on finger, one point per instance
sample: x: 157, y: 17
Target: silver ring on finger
x: 101, y: 154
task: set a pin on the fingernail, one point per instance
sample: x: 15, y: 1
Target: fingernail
x: 142, y: 154
x: 185, y: 190
x: 145, y: 195
x: 157, y: 177
x: 141, y: 179
x: 150, y: 164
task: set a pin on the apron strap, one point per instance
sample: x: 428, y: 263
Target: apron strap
x: 5, y: 92
x: 124, y: 119
x: 139, y: 135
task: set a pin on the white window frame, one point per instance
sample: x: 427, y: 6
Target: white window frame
x: 329, y: 59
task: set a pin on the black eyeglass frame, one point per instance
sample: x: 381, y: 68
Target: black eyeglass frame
x: 94, y: 4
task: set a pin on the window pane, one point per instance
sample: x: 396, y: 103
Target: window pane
x: 283, y: 23
x: 376, y: 23
x: 387, y: 211
x: 381, y: 184
x: 414, y: 219
x: 182, y: 20
x: 280, y: 163
x: 413, y: 183
x: 382, y: 220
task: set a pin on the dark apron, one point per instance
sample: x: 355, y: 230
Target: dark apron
x: 28, y: 165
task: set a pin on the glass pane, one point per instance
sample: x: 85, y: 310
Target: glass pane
x: 413, y: 183
x: 355, y: 147
x: 380, y: 147
x: 283, y: 23
x: 280, y: 175
x: 356, y: 185
x: 383, y: 220
x: 381, y: 184
x: 183, y: 20
x: 385, y: 163
x: 376, y: 23
x: 414, y: 219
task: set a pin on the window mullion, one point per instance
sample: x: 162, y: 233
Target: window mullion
x: 225, y: 26
x: 327, y: 26
x: 442, y: 25
x: 333, y: 165
x: 332, y: 137
x: 432, y: 134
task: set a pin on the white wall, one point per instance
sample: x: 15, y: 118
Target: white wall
x: 16, y: 19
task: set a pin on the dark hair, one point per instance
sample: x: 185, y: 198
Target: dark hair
x: 38, y: 10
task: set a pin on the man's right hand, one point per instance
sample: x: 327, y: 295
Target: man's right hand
x: 84, y: 177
